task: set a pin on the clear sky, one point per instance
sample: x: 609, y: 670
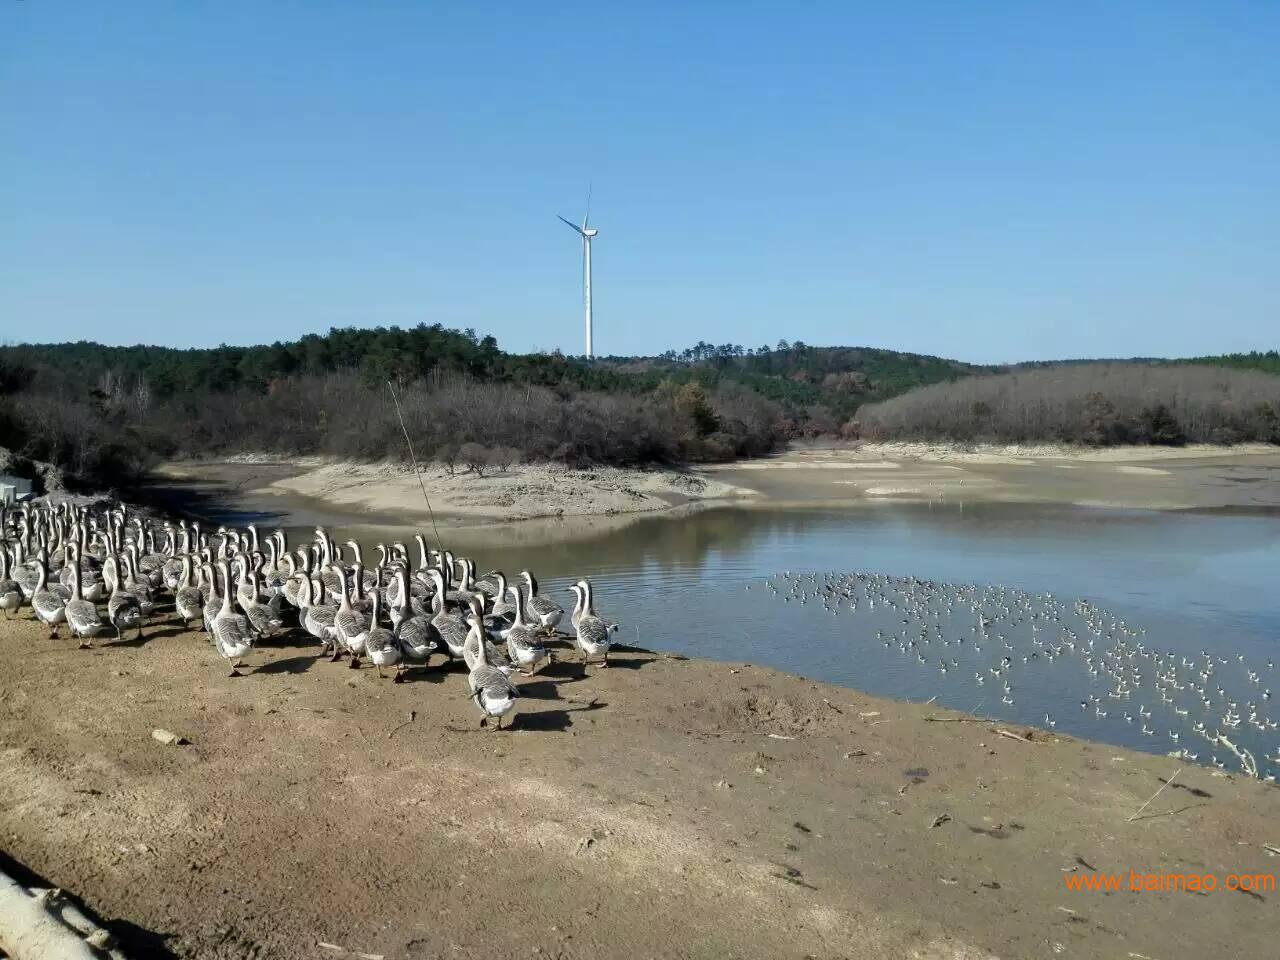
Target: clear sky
x: 990, y: 181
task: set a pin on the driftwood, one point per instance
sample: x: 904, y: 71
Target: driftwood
x: 960, y: 720
x: 42, y: 925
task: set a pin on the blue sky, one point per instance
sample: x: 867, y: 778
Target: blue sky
x: 989, y: 181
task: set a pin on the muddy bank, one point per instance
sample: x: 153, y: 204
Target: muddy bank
x: 660, y: 808
x: 1159, y: 478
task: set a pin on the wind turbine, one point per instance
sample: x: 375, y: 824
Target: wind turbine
x: 587, y: 234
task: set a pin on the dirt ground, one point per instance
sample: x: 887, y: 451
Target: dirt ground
x: 662, y: 808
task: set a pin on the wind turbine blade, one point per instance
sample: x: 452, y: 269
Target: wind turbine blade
x: 587, y: 216
x: 577, y: 229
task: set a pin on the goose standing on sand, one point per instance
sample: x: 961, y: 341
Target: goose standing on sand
x: 352, y: 626
x: 263, y: 618
x: 188, y: 600
x: 541, y: 610
x: 231, y: 631
x: 493, y: 655
x: 83, y: 619
x: 123, y: 609
x: 317, y: 618
x: 524, y: 643
x: 379, y: 642
x: 592, y: 633
x: 48, y: 606
x: 492, y: 690
x: 413, y: 631
x: 451, y: 627
x: 10, y: 592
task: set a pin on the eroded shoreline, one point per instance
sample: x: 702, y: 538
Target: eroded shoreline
x: 1193, y: 478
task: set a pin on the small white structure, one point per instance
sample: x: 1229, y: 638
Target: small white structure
x: 13, y: 489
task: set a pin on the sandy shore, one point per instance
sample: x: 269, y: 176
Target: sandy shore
x: 1246, y: 478
x: 661, y: 808
x: 1163, y: 478
x: 522, y: 492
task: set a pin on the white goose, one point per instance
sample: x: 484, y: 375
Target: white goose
x: 541, y: 610
x: 524, y: 643
x: 379, y: 642
x: 231, y: 631
x: 10, y: 592
x: 492, y: 690
x: 592, y: 633
x: 352, y: 626
x: 83, y: 619
x: 413, y: 632
x: 188, y: 600
x: 123, y: 609
x: 48, y: 606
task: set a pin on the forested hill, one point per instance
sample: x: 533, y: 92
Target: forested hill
x: 102, y: 415
x: 798, y: 376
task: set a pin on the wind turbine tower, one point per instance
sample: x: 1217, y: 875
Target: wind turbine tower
x: 588, y: 234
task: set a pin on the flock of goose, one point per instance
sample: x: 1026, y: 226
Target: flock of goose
x: 107, y: 571
x: 1001, y: 633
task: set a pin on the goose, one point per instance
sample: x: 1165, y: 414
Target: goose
x: 232, y: 634
x: 123, y: 609
x: 10, y: 592
x: 317, y: 618
x: 492, y: 690
x: 25, y: 575
x: 379, y: 642
x: 492, y: 584
x: 592, y: 633
x: 138, y: 588
x: 188, y: 600
x: 83, y: 619
x: 589, y: 592
x: 451, y: 627
x: 541, y: 610
x: 524, y: 643
x: 351, y: 625
x: 471, y: 644
x: 413, y: 633
x: 264, y: 620
x: 48, y: 606
x: 502, y: 608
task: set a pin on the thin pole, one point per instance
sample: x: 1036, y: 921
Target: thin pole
x: 586, y: 288
x: 416, y: 471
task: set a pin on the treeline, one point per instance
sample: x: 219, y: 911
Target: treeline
x: 103, y: 415
x: 822, y: 387
x: 108, y: 430
x: 1096, y: 404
